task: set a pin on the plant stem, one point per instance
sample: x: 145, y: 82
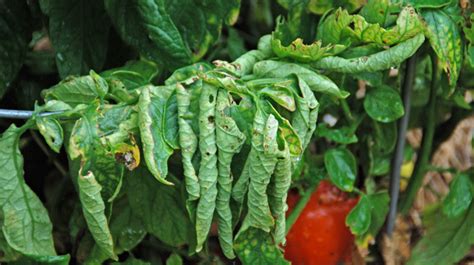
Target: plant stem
x: 425, y: 151
x: 300, y: 205
x: 400, y: 147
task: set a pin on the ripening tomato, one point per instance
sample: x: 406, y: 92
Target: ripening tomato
x: 320, y: 235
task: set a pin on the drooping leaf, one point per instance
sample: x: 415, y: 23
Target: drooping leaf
x: 188, y: 142
x: 78, y: 48
x: 93, y: 208
x: 277, y: 193
x: 159, y: 207
x: 127, y: 232
x: 255, y: 246
x: 376, y: 62
x: 446, y: 42
x: 447, y: 241
x: 229, y: 140
x: 51, y: 131
x: 341, y: 167
x: 359, y: 218
x: 260, y: 166
x: 153, y: 123
x: 208, y: 172
x: 384, y: 104
x: 15, y: 32
x: 316, y: 82
x: 25, y: 222
x: 459, y: 197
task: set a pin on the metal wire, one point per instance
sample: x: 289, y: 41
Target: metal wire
x: 23, y: 114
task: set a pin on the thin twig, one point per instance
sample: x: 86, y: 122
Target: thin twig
x: 49, y: 154
x: 399, y: 149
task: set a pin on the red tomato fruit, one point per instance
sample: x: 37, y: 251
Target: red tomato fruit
x: 320, y: 235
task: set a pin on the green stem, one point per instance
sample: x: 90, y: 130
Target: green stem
x: 346, y: 110
x: 422, y: 162
x: 290, y: 221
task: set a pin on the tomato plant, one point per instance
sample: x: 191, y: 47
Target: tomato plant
x: 320, y: 234
x: 160, y: 118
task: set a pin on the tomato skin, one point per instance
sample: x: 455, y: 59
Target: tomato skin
x: 320, y: 235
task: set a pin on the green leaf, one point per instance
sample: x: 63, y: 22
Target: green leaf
x: 93, y: 208
x: 133, y: 74
x: 161, y: 208
x: 277, y: 192
x: 447, y: 241
x: 255, y: 246
x: 174, y: 259
x: 385, y: 137
x: 26, y: 225
x: 15, y: 32
x: 379, y: 208
x: 229, y: 141
x: 171, y: 33
x: 132, y: 261
x: 127, y: 232
x: 78, y: 48
x: 77, y: 90
x: 162, y: 31
x: 359, y: 218
x: 188, y: 142
x: 459, y: 197
x: 446, y: 42
x: 189, y: 71
x: 343, y: 135
x: 376, y: 11
x: 235, y: 44
x: 299, y: 51
x: 408, y: 26
x: 341, y: 167
x: 373, y: 63
x: 333, y: 28
x: 208, y: 172
x: 281, y: 95
x: 384, y: 104
x: 51, y: 131
x: 156, y: 123
x: 260, y: 166
x: 320, y: 7
x: 307, y: 109
x: 427, y: 3
x: 316, y: 82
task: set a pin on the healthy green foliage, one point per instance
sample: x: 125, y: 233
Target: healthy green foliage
x: 341, y: 166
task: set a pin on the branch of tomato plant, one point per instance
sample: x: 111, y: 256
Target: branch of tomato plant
x: 300, y: 205
x: 397, y: 161
x: 423, y: 159
x: 49, y: 154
